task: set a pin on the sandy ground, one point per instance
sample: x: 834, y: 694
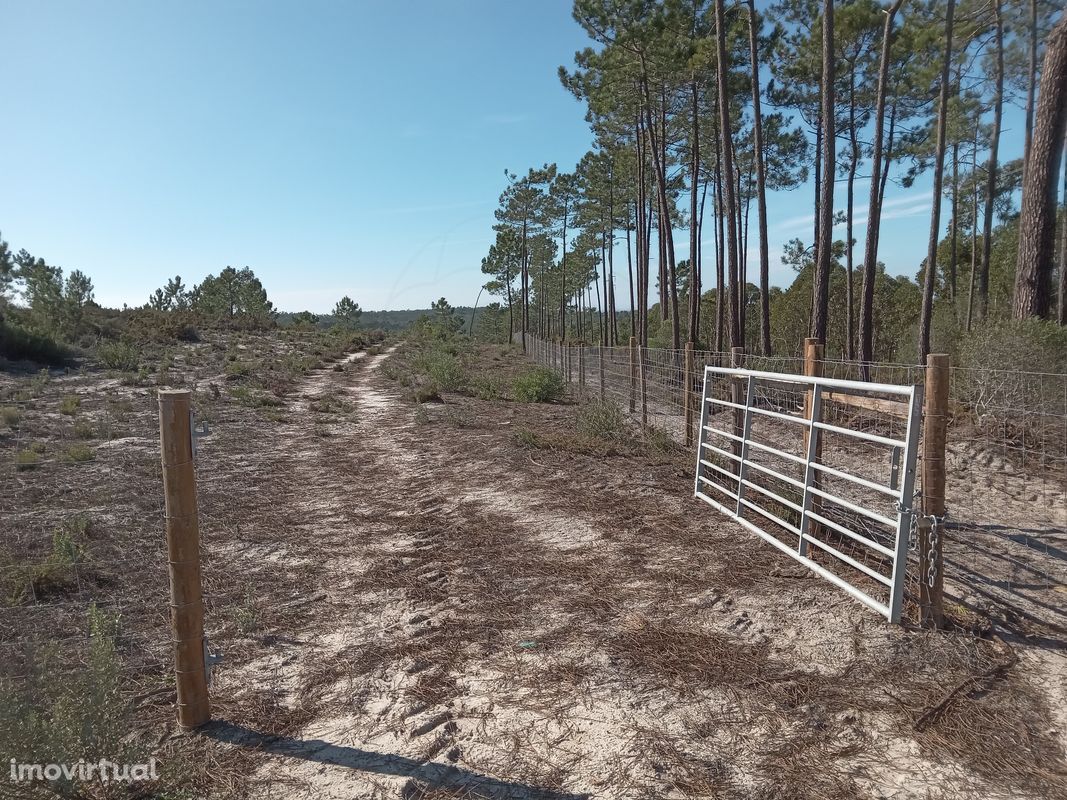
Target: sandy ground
x: 465, y: 616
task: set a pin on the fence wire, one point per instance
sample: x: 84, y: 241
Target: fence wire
x: 1005, y: 531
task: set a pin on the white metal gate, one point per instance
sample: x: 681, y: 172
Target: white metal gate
x: 840, y: 503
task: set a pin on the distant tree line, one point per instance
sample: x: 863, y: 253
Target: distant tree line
x: 53, y: 308
x: 44, y: 312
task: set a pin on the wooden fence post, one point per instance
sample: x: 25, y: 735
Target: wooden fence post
x: 633, y: 374
x: 931, y: 531
x: 737, y: 395
x: 183, y: 555
x: 813, y: 368
x: 687, y: 393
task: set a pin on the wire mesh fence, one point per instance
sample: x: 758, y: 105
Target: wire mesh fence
x: 1005, y: 528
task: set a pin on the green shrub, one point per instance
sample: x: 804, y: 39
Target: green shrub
x: 254, y: 398
x: 1029, y: 346
x: 565, y: 442
x: 83, y: 429
x: 65, y: 712
x: 488, y: 387
x: 149, y: 325
x: 443, y: 368
x: 992, y: 382
x: 247, y: 614
x: 118, y: 355
x: 527, y: 439
x: 659, y: 442
x: 10, y: 416
x: 70, y: 404
x: 26, y: 459
x: 239, y: 369
x: 56, y: 574
x: 538, y: 385
x: 19, y: 344
x: 601, y: 418
x: 427, y: 393
x: 330, y: 403
x: 79, y: 453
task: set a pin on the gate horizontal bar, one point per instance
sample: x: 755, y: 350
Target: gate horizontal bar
x: 848, y: 560
x: 772, y: 517
x: 818, y: 569
x: 848, y: 476
x: 871, y: 515
x: 719, y: 486
x: 719, y: 469
x: 870, y: 437
x: 777, y: 498
x: 720, y: 451
x: 775, y: 451
x: 778, y: 475
x: 859, y: 537
x: 805, y: 380
x: 710, y: 429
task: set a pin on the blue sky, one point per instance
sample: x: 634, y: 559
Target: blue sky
x: 335, y: 147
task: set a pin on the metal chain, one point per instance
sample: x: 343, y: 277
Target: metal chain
x: 913, y: 526
x: 931, y: 554
x: 930, y: 557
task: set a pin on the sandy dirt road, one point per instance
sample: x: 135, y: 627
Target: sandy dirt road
x: 461, y: 614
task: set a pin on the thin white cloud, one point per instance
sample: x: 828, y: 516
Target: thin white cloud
x: 807, y: 220
x: 920, y: 208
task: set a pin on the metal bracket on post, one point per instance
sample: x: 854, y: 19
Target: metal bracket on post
x: 210, y: 660
x: 894, y: 469
x: 197, y: 433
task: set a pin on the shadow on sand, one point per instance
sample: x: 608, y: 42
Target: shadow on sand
x: 431, y: 775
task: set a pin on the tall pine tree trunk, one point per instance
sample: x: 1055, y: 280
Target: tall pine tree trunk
x: 1037, y: 220
x: 1062, y: 313
x: 874, y: 209
x: 974, y: 225
x: 991, y: 174
x: 720, y: 251
x: 890, y: 139
x: 853, y: 164
x: 563, y: 278
x: 817, y: 180
x: 630, y: 269
x: 926, y: 317
x: 525, y: 284
x: 640, y: 329
x: 700, y: 250
x: 954, y: 230
x: 727, y: 147
x: 694, y: 228
x: 820, y: 311
x: 1031, y: 83
x: 761, y: 185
